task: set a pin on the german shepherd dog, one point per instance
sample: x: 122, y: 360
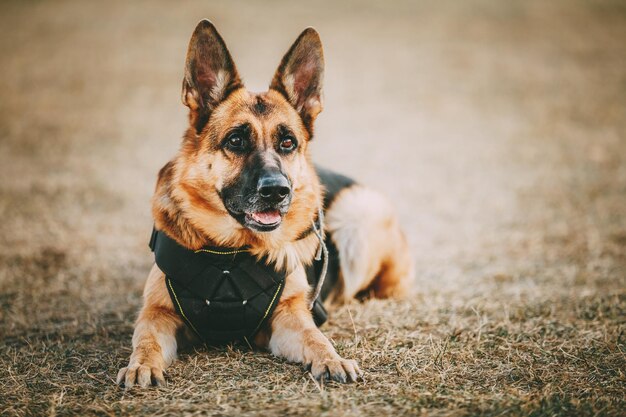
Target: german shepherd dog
x: 243, y: 177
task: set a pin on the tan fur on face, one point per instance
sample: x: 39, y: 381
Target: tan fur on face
x: 187, y: 198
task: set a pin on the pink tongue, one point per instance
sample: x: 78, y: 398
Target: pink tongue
x: 266, y: 217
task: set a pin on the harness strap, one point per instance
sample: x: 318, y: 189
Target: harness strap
x: 322, y: 250
x: 309, y: 230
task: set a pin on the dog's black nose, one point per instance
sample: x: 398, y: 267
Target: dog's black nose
x: 273, y: 188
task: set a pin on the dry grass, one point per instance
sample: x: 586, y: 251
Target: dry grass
x: 498, y: 127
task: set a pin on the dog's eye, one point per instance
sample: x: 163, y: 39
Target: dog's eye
x: 288, y: 144
x: 238, y: 140
x: 235, y: 143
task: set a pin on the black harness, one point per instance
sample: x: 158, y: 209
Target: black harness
x: 225, y: 294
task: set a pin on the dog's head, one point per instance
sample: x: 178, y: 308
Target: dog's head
x: 245, y: 155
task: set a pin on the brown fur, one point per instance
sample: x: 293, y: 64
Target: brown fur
x: 188, y: 207
x: 186, y: 192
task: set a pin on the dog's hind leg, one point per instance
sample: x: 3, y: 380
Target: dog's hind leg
x: 154, y: 339
x: 373, y: 251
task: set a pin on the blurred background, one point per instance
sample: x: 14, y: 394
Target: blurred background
x: 497, y: 128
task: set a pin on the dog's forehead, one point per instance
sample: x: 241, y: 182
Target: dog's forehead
x: 263, y: 104
x: 262, y: 111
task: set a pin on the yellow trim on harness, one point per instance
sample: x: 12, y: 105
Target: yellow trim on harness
x: 169, y: 283
x: 280, y: 285
x: 232, y: 252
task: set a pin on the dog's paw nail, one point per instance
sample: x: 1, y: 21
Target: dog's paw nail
x: 340, y: 378
x: 323, y: 376
x: 119, y: 380
x: 141, y: 375
x: 339, y: 370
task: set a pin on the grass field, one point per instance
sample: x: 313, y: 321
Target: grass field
x: 497, y: 128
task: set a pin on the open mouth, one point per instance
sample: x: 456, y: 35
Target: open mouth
x: 264, y: 220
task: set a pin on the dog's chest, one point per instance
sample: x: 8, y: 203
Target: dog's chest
x: 223, y: 296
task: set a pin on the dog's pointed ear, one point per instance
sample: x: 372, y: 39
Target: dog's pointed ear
x: 210, y: 74
x: 300, y: 76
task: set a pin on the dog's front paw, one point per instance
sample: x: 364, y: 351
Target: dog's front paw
x: 140, y: 374
x: 336, y: 369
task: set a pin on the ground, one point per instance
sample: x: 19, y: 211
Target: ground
x: 498, y: 129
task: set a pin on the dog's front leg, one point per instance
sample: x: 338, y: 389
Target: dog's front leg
x: 154, y: 339
x: 295, y: 336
